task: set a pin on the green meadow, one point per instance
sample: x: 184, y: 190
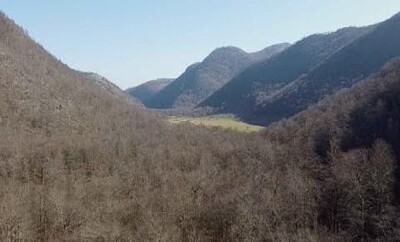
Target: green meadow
x: 225, y: 122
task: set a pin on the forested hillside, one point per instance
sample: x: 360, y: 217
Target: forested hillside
x: 241, y: 95
x: 148, y: 89
x: 201, y: 80
x: 79, y: 162
x: 352, y: 140
x: 39, y: 93
x: 354, y: 62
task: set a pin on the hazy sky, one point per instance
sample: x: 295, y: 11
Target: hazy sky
x: 132, y: 41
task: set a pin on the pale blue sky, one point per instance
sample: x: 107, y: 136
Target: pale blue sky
x: 132, y: 41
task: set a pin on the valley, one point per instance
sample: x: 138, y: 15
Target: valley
x: 219, y: 121
x: 296, y: 142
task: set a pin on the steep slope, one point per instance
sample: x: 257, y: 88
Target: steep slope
x: 80, y: 163
x: 148, y: 89
x: 102, y: 82
x: 354, y: 62
x: 352, y: 140
x: 268, y: 52
x: 40, y: 93
x: 259, y: 81
x: 352, y: 118
x: 200, y: 80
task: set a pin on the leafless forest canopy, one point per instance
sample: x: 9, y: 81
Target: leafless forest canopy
x: 83, y: 162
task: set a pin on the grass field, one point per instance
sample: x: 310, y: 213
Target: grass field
x: 226, y: 122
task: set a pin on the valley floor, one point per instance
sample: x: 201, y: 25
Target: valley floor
x: 222, y: 121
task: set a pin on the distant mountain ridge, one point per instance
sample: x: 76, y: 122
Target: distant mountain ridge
x: 200, y: 80
x: 243, y: 93
x: 79, y: 161
x: 356, y: 61
x: 148, y: 89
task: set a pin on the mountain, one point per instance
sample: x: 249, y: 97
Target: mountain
x: 255, y: 84
x: 352, y: 140
x: 102, y: 82
x: 352, y: 118
x: 39, y: 93
x: 200, y: 80
x: 268, y: 52
x: 79, y: 161
x: 352, y: 63
x: 148, y: 89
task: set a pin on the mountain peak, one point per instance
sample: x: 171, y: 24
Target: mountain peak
x: 253, y: 87
x: 227, y: 52
x: 227, y: 49
x: 202, y: 79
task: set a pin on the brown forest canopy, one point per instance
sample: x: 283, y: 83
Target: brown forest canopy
x: 82, y: 162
